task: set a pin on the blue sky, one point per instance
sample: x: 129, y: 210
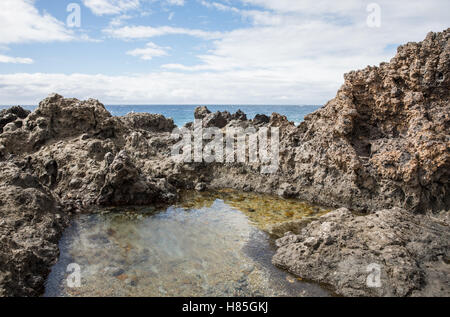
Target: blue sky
x: 201, y: 51
x: 106, y: 54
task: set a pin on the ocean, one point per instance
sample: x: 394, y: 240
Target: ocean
x: 182, y: 114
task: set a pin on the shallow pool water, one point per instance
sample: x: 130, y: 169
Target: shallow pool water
x: 210, y: 244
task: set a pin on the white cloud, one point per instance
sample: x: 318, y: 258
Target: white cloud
x: 317, y: 40
x: 21, y: 22
x: 119, y: 20
x: 175, y: 2
x: 15, y: 60
x: 111, y: 7
x: 258, y: 17
x: 142, y: 32
x: 298, y: 50
x: 316, y: 7
x: 151, y: 50
x: 260, y: 87
x: 219, y: 6
x: 106, y: 7
x: 293, y: 52
x: 355, y: 8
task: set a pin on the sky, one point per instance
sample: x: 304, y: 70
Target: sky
x: 200, y: 51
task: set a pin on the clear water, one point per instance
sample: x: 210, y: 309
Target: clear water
x: 182, y: 114
x: 207, y: 245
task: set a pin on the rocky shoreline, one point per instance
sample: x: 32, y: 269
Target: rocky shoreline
x: 381, y: 147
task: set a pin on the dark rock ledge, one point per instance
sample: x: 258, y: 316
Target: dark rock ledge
x: 381, y: 147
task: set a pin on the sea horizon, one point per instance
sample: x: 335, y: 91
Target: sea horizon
x: 294, y: 113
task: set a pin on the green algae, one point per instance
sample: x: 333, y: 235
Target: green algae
x: 209, y: 244
x: 262, y: 210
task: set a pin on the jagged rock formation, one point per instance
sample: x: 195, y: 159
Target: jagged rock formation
x: 381, y: 144
x: 31, y: 223
x: 201, y: 112
x: 385, y: 142
x: 12, y: 118
x: 149, y: 122
x: 66, y: 156
x: 124, y: 185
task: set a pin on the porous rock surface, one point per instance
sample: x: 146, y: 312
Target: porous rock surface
x: 66, y: 156
x: 12, y: 117
x: 385, y: 145
x: 381, y: 146
x: 412, y: 252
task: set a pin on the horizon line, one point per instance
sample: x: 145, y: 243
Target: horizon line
x: 195, y: 104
